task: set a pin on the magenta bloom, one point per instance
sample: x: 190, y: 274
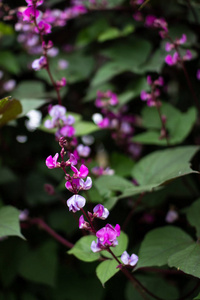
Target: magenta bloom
x: 43, y: 28
x: 129, y: 260
x: 30, y: 13
x: 67, y: 131
x: 82, y: 173
x: 107, y: 235
x: 51, y: 162
x: 171, y: 60
x: 100, y: 212
x: 79, y: 184
x: 198, y: 74
x: 32, y: 2
x: 75, y: 203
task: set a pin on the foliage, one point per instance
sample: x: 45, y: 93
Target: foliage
x: 108, y: 92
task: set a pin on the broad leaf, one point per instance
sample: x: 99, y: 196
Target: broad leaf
x: 178, y: 125
x: 187, y: 260
x: 159, y: 168
x: 106, y: 270
x: 197, y: 297
x: 83, y: 251
x: 192, y: 214
x: 84, y: 128
x: 40, y: 265
x: 159, y: 244
x: 9, y: 222
x: 9, y: 110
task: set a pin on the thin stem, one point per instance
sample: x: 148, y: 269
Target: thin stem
x: 51, y: 232
x: 128, y: 218
x: 92, y: 227
x: 47, y: 60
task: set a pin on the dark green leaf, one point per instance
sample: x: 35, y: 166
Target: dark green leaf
x: 192, y: 214
x: 159, y: 244
x: 187, y: 260
x: 40, y: 265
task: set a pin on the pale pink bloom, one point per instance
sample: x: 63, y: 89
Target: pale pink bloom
x: 129, y: 260
x: 39, y: 63
x: 99, y: 211
x: 75, y: 203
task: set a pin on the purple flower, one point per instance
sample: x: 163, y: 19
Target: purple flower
x: 188, y: 55
x: 171, y: 216
x: 99, y: 211
x: 51, y: 162
x: 172, y: 60
x: 182, y: 40
x: 78, y: 184
x: 63, y: 64
x: 33, y: 2
x: 67, y: 131
x: 107, y: 237
x: 75, y: 203
x: 82, y: 173
x: 61, y: 82
x: 39, y: 63
x: 149, y: 21
x: 83, y: 224
x: 30, y: 13
x: 169, y: 47
x: 83, y: 151
x: 9, y: 85
x: 43, y: 28
x: 129, y: 260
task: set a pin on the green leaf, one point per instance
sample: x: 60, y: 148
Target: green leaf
x: 83, y: 251
x: 159, y: 244
x: 178, y: 125
x: 40, y: 265
x: 9, y: 110
x: 30, y: 104
x: 9, y: 222
x: 6, y: 175
x: 187, y: 260
x: 159, y: 168
x: 109, y: 34
x: 9, y: 62
x: 84, y: 128
x: 120, y: 248
x: 192, y: 214
x: 121, y: 164
x: 197, y: 297
x: 30, y: 89
x: 106, y: 270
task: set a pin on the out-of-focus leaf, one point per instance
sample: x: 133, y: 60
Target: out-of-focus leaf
x: 121, y: 164
x: 84, y: 128
x: 29, y: 89
x: 40, y: 265
x: 9, y: 62
x: 106, y: 270
x: 6, y: 29
x: 187, y: 260
x: 83, y: 251
x: 6, y: 175
x: 192, y: 214
x: 154, y: 284
x: 114, y: 32
x: 9, y: 222
x: 160, y: 243
x: 9, y: 110
x: 197, y: 297
x: 178, y: 125
x: 30, y: 104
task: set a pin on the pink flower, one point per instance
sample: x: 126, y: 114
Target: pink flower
x: 32, y: 2
x: 78, y: 184
x: 198, y: 74
x: 169, y: 47
x: 30, y: 13
x: 75, y: 203
x: 188, y: 55
x: 100, y: 212
x: 107, y: 235
x: 129, y: 260
x: 182, y: 40
x: 51, y: 162
x: 82, y: 173
x: 83, y: 224
x: 172, y: 60
x: 43, y: 28
x: 67, y: 131
x: 83, y: 151
x: 39, y: 63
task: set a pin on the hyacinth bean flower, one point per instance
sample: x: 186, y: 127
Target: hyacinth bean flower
x: 83, y: 224
x: 51, y: 162
x: 129, y: 260
x: 30, y: 13
x: 82, y: 173
x: 39, y: 63
x: 99, y: 211
x: 79, y: 184
x: 33, y: 2
x: 83, y: 151
x: 75, y: 203
x: 106, y: 237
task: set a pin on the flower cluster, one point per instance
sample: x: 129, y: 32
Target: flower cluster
x: 61, y: 122
x: 120, y: 123
x: 152, y: 97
